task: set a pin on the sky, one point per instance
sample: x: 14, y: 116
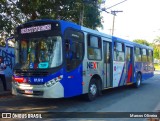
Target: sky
x: 140, y: 19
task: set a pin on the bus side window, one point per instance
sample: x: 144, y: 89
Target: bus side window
x: 144, y: 55
x: 118, y: 51
x: 68, y: 49
x: 74, y: 48
x: 94, y: 48
x: 67, y: 46
x: 138, y: 54
x: 150, y: 55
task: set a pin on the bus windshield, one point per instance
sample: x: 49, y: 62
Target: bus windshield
x: 41, y: 53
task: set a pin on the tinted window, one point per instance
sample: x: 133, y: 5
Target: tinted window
x: 74, y: 48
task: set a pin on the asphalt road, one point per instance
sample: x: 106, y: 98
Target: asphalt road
x: 123, y: 99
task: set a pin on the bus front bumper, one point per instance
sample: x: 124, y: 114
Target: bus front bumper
x: 41, y: 91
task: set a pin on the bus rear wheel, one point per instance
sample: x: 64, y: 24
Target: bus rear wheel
x: 92, y: 90
x: 138, y: 80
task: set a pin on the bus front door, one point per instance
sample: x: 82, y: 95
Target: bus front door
x: 107, y: 64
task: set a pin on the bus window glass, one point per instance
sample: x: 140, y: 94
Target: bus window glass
x: 94, y: 50
x: 137, y: 54
x: 119, y: 46
x: 74, y: 48
x: 144, y: 55
x: 118, y: 51
x: 150, y: 55
x: 128, y: 54
x: 23, y: 51
x: 108, y: 53
x: 41, y: 53
x: 94, y: 41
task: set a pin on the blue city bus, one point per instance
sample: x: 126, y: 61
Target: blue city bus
x: 60, y: 59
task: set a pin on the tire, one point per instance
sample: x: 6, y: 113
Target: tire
x: 138, y: 81
x: 92, y: 90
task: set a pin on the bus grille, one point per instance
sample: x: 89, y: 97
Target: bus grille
x: 30, y: 73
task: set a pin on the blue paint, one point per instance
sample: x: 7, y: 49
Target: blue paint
x: 72, y: 86
x: 72, y: 82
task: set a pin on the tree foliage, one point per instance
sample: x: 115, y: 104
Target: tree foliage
x: 9, y: 15
x: 141, y: 41
x: 156, y: 45
x: 15, y: 12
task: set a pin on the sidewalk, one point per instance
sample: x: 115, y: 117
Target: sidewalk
x: 6, y: 93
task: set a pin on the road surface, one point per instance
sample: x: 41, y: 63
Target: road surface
x: 123, y: 99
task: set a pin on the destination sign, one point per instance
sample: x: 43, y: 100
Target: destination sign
x: 36, y: 29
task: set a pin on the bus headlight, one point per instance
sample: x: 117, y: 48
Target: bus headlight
x: 53, y: 81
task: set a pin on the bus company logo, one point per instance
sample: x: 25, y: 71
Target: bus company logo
x: 92, y: 65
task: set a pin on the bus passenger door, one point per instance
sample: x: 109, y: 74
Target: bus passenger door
x: 74, y: 52
x: 129, y: 65
x: 107, y: 64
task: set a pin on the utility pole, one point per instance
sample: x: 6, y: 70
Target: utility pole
x: 114, y: 14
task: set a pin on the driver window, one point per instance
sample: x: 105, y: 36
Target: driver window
x: 73, y: 48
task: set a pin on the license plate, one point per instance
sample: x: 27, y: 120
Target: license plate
x: 29, y: 91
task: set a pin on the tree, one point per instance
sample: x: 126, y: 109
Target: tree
x: 141, y: 41
x: 92, y: 18
x: 156, y: 45
x: 9, y: 15
x: 15, y: 12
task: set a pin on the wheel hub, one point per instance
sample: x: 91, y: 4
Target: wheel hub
x: 93, y: 89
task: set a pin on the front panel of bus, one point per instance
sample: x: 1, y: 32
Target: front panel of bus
x: 39, y: 60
